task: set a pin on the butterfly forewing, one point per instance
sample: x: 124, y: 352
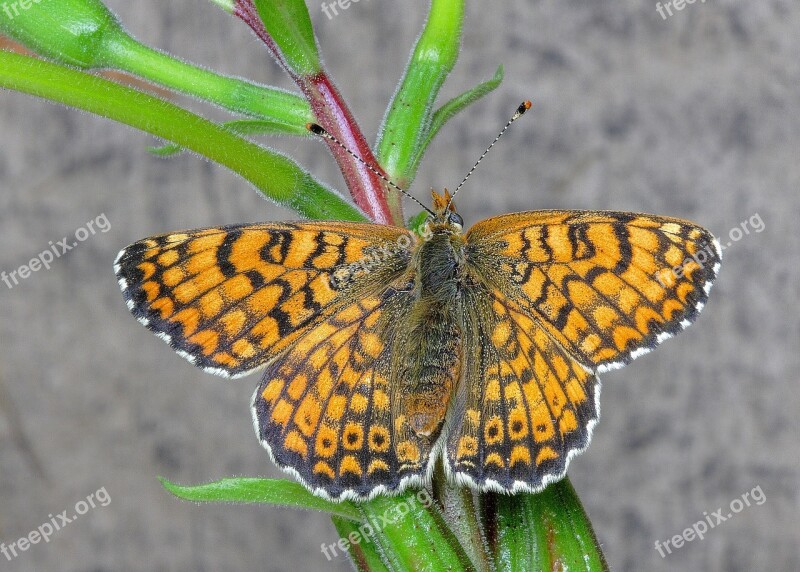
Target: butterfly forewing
x: 608, y: 286
x: 230, y: 299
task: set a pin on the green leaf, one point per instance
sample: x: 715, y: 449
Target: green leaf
x: 239, y: 126
x: 454, y: 106
x: 289, y: 26
x: 276, y: 176
x: 545, y: 531
x: 409, y: 115
x: 247, y: 490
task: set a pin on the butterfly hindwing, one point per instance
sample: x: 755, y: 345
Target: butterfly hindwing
x: 230, y: 299
x: 528, y: 406
x: 327, y: 410
x: 608, y: 286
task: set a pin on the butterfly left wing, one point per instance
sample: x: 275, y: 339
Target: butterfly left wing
x: 607, y: 286
x: 525, y: 406
x: 327, y: 410
x: 231, y: 299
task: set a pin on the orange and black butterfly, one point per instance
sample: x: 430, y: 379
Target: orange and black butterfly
x: 385, y: 350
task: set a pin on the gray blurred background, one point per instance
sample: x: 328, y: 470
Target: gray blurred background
x: 695, y: 116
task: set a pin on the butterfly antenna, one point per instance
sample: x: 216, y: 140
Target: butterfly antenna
x: 322, y: 132
x: 523, y: 107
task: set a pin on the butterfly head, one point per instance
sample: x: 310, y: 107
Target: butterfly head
x: 444, y: 219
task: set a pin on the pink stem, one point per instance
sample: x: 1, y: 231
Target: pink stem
x: 366, y: 188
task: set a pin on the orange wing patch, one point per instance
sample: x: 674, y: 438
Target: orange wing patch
x: 230, y: 299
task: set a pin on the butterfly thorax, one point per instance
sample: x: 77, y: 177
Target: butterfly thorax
x: 439, y: 264
x: 439, y: 260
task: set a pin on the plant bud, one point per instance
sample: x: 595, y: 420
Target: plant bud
x: 76, y: 32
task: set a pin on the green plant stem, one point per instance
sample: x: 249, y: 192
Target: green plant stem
x: 368, y: 190
x: 288, y: 24
x: 419, y: 540
x: 86, y: 34
x: 545, y: 531
x: 362, y: 550
x: 408, y: 118
x: 279, y: 106
x: 461, y: 514
x: 276, y: 176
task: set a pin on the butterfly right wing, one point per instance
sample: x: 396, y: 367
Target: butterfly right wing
x: 230, y: 299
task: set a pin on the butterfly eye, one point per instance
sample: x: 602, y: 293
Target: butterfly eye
x: 455, y: 218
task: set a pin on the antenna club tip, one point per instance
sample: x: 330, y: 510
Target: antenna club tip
x: 523, y: 107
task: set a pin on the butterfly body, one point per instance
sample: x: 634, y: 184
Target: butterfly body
x: 433, y: 360
x: 385, y: 351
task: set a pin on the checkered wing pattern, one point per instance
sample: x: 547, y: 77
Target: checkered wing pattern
x: 607, y: 286
x: 528, y: 405
x: 231, y: 299
x: 328, y: 410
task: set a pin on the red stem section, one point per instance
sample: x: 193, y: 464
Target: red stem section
x: 366, y: 188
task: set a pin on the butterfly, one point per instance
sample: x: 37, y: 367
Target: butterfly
x: 386, y: 351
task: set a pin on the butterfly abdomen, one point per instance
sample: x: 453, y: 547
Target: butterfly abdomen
x: 431, y: 365
x: 432, y: 358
